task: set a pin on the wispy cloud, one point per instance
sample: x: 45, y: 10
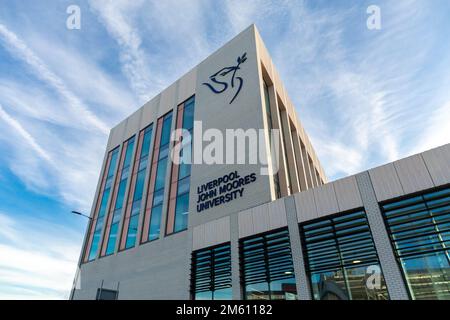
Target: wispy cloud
x: 78, y: 110
x: 116, y: 18
x: 15, y: 125
x: 32, y: 264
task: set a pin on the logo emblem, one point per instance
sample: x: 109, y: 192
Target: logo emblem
x: 221, y: 80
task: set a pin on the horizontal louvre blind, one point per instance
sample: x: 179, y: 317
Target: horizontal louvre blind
x: 211, y: 269
x: 338, y: 242
x: 420, y: 225
x: 266, y: 258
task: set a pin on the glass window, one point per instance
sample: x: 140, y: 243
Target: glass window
x: 140, y: 180
x: 158, y: 197
x: 341, y: 259
x: 181, y: 212
x: 112, y: 239
x: 267, y: 268
x: 129, y: 153
x: 155, y: 223
x: 113, y: 162
x: 132, y: 232
x: 419, y: 229
x: 188, y: 115
x: 104, y: 203
x: 183, y: 185
x: 121, y: 194
x: 211, y: 273
x: 165, y: 133
x: 161, y: 174
x: 146, y: 143
x: 94, y: 245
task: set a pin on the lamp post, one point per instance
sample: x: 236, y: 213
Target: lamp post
x: 81, y: 214
x: 72, y: 292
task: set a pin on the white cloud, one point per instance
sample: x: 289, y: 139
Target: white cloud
x: 15, y: 125
x: 77, y: 108
x: 38, y: 259
x: 115, y: 16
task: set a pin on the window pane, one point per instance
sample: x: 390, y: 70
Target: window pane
x: 129, y: 153
x: 257, y: 291
x: 94, y: 246
x: 206, y: 295
x: 340, y: 255
x: 121, y: 194
x: 104, y: 203
x: 165, y: 134
x: 283, y: 289
x: 329, y: 285
x: 428, y: 276
x: 161, y: 174
x: 140, y: 180
x: 181, y: 212
x: 112, y: 239
x: 158, y: 197
x: 146, y: 143
x: 155, y: 223
x: 418, y: 227
x: 223, y: 294
x: 211, y: 273
x: 132, y: 232
x: 183, y: 186
x: 112, y: 164
x: 188, y: 115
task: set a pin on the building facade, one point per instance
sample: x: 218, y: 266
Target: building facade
x: 161, y: 229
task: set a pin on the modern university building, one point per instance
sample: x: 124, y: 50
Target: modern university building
x: 167, y: 230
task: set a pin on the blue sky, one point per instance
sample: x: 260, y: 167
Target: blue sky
x: 366, y: 97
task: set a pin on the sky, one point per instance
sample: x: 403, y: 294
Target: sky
x: 365, y: 97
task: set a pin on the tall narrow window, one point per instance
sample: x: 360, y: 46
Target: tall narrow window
x: 101, y: 207
x: 419, y: 229
x: 155, y: 195
x: 276, y: 180
x: 178, y: 210
x: 211, y: 273
x: 134, y: 202
x: 115, y: 212
x: 267, y: 271
x: 341, y: 259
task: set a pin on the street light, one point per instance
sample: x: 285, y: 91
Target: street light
x: 81, y: 214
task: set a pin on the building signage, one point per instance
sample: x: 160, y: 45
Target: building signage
x: 222, y: 190
x: 221, y: 80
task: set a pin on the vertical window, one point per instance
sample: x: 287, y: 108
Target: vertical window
x: 155, y: 197
x: 178, y: 209
x: 276, y: 180
x: 419, y: 229
x: 115, y: 215
x: 134, y: 204
x: 341, y: 260
x: 102, y: 202
x: 211, y: 273
x: 267, y: 271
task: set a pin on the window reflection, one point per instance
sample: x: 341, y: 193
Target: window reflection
x: 419, y: 229
x: 341, y: 259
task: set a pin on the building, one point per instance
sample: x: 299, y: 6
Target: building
x: 162, y: 230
